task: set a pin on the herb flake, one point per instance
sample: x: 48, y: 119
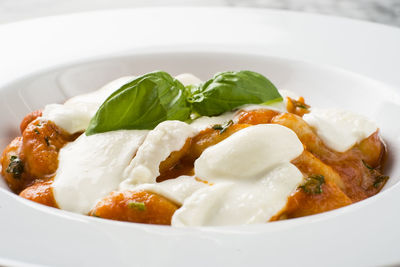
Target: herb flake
x: 381, y: 179
x: 137, y: 205
x: 303, y: 106
x: 300, y: 103
x: 367, y: 165
x: 313, y: 184
x: 46, y: 139
x: 223, y: 127
x: 16, y: 167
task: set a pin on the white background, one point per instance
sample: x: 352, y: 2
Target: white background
x: 382, y: 11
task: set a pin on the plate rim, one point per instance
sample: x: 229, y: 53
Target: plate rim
x: 397, y: 186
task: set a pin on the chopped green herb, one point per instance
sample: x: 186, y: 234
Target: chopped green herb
x: 46, y: 139
x: 313, y: 184
x: 137, y: 205
x: 303, y: 106
x: 36, y: 131
x: 299, y: 104
x: 367, y: 166
x: 381, y: 179
x: 38, y: 124
x: 222, y: 127
x: 217, y: 127
x: 16, y: 167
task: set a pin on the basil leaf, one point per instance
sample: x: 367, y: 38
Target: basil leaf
x: 228, y: 90
x: 142, y: 104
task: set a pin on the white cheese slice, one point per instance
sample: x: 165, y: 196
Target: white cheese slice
x: 205, y: 122
x: 278, y: 106
x: 167, y: 137
x: 339, y: 129
x: 92, y: 166
x: 75, y: 114
x: 252, y: 177
x: 176, y: 190
x: 188, y: 79
x: 99, y: 96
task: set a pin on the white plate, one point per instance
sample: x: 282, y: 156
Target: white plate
x: 50, y: 59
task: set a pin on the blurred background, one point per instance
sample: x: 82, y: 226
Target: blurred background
x: 381, y: 11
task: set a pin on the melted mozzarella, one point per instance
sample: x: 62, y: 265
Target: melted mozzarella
x: 278, y: 106
x: 176, y: 190
x: 73, y: 118
x: 75, y: 114
x: 252, y: 177
x: 205, y: 122
x: 167, y: 137
x: 92, y: 166
x: 288, y: 93
x: 200, y: 208
x: 99, y: 96
x: 249, y: 153
x: 188, y: 79
x: 338, y: 129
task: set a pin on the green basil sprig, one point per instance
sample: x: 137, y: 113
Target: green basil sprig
x: 142, y: 104
x: 229, y: 90
x: 156, y: 97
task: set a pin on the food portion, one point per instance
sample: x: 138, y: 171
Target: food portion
x: 178, y: 151
x: 245, y: 189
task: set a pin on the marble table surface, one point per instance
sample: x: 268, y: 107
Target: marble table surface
x: 381, y: 11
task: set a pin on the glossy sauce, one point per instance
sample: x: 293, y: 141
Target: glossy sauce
x: 139, y: 206
x: 36, y: 151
